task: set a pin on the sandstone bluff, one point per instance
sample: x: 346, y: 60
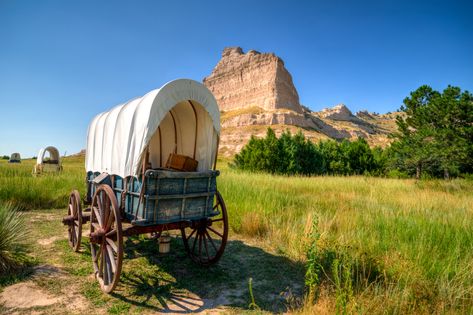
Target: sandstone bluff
x: 255, y: 90
x: 253, y: 79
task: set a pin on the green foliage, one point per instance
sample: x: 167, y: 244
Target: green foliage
x: 252, y: 305
x: 12, y: 238
x: 341, y: 271
x: 313, y: 268
x: 5, y: 157
x: 436, y: 135
x: 295, y: 155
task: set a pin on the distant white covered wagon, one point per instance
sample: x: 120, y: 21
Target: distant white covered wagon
x: 15, y: 158
x: 150, y: 166
x: 48, y: 161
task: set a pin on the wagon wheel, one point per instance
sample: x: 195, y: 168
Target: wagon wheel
x: 207, y: 238
x: 74, y: 211
x: 106, y: 240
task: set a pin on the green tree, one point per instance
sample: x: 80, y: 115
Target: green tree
x: 435, y: 135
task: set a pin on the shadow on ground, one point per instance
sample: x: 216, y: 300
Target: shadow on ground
x: 174, y: 283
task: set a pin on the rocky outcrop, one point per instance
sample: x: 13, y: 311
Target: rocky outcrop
x: 243, y: 80
x: 338, y: 112
x: 269, y: 118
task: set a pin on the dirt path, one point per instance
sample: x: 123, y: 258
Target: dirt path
x: 150, y: 282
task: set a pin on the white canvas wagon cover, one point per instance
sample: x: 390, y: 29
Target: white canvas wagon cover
x: 180, y: 117
x: 53, y: 154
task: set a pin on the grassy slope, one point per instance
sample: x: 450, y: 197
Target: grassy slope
x: 415, y: 238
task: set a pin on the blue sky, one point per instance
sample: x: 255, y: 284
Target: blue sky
x: 62, y: 62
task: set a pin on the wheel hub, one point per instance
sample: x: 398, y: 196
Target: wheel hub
x: 97, y: 237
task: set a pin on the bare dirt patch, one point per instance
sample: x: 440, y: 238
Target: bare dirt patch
x: 41, y: 217
x: 30, y: 294
x: 25, y: 295
x: 47, y: 241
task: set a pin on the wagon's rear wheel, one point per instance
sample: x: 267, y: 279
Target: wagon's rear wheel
x: 206, y: 239
x: 106, y: 241
x: 74, y: 211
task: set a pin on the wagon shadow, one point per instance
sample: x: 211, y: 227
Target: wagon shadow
x: 173, y: 283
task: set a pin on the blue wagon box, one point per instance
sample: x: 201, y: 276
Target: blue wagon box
x: 167, y: 196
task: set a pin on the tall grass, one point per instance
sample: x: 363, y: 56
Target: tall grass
x: 20, y: 188
x: 405, y: 246
x: 408, y: 244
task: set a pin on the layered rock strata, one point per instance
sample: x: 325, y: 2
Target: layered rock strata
x: 243, y: 80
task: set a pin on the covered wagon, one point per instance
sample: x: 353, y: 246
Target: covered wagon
x: 150, y: 166
x: 15, y: 158
x: 48, y: 161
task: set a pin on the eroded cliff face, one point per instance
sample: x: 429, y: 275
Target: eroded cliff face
x: 242, y: 80
x: 255, y: 91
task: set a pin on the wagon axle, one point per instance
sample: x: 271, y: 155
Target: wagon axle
x: 69, y: 220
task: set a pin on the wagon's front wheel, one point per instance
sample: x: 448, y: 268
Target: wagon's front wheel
x: 206, y: 239
x: 74, y: 215
x: 106, y: 239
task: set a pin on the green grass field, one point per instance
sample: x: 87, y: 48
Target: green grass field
x: 383, y: 245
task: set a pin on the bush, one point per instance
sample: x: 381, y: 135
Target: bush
x: 296, y: 155
x: 13, y: 235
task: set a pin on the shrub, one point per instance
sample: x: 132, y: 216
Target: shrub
x: 12, y: 238
x: 295, y: 155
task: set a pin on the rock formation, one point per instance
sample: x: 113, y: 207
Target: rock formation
x: 253, y: 79
x: 338, y: 112
x: 255, y: 91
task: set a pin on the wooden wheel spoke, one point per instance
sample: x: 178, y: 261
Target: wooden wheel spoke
x: 76, y: 233
x: 107, y: 265
x: 97, y: 216
x: 200, y: 245
x: 217, y: 220
x: 95, y: 225
x: 211, y: 241
x: 112, y: 245
x: 218, y: 233
x: 102, y: 261
x: 73, y: 235
x: 192, y: 233
x: 195, y: 241
x: 205, y: 245
x: 109, y: 221
x: 99, y: 202
x: 97, y: 255
x: 107, y: 213
x: 112, y: 258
